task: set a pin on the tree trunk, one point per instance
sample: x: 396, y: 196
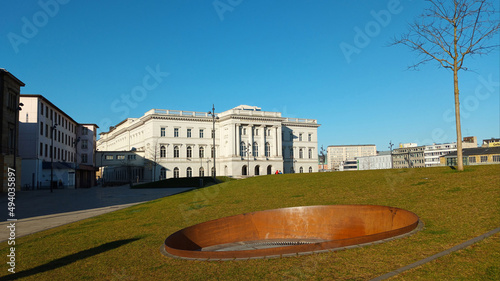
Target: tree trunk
x: 460, y: 164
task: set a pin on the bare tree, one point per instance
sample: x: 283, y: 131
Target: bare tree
x: 449, y: 31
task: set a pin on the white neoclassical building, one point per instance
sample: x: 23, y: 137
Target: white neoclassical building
x: 248, y: 142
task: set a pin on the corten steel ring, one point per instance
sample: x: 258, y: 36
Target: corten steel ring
x: 289, y: 231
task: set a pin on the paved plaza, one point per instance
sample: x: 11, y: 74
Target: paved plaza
x: 37, y: 210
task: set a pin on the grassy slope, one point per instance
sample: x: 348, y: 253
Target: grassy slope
x: 124, y: 245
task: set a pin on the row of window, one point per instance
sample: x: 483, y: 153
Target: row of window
x: 58, y: 118
x: 120, y: 157
x: 60, y: 154
x: 189, y: 132
x: 189, y: 152
x: 61, y: 137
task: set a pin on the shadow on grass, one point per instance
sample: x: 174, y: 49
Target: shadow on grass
x: 69, y: 259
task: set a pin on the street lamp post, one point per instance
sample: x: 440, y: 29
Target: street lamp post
x: 390, y: 147
x: 213, y: 136
x: 52, y: 152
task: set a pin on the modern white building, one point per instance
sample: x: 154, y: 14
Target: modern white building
x: 50, y: 138
x: 381, y: 161
x: 433, y: 152
x: 248, y: 141
x: 338, y: 154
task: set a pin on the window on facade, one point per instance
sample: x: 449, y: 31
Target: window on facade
x: 244, y: 131
x: 189, y: 172
x: 202, y: 172
x: 163, y: 173
x: 242, y: 149
x: 472, y: 159
x: 41, y: 148
x: 176, y: 172
x: 162, y: 132
x: 41, y: 128
x: 202, y: 152
x: 301, y: 170
x: 188, y: 133
x: 201, y: 133
x: 300, y: 137
x: 484, y: 159
x: 176, y: 132
x: 163, y: 152
x: 256, y: 132
x: 212, y: 152
x: 255, y: 149
x: 85, y: 131
x: 41, y: 109
x: 301, y: 153
x: 120, y: 157
x: 268, y: 149
x: 46, y: 150
x: 309, y: 137
x: 189, y: 152
x: 108, y: 157
x: 131, y: 157
x: 85, y: 144
x: 269, y: 132
x: 496, y: 158
x: 176, y: 152
x: 310, y: 153
x: 310, y: 169
x: 46, y: 130
x: 85, y: 158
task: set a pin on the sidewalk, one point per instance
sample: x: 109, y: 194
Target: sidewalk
x: 40, y: 209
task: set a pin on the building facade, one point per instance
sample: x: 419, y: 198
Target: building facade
x: 248, y: 142
x: 434, y: 152
x: 381, y: 161
x: 474, y: 156
x: 338, y: 154
x: 10, y: 89
x: 408, y: 157
x: 54, y: 148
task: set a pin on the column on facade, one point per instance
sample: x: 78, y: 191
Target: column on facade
x: 262, y: 140
x: 237, y: 139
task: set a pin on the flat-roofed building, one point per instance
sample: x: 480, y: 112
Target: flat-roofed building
x: 338, y: 154
x: 474, y: 156
x: 408, y: 157
x: 54, y: 146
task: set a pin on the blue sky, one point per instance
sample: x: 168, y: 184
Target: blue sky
x: 103, y: 61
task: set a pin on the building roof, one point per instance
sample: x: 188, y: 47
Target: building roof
x: 476, y: 151
x: 45, y: 100
x: 4, y: 71
x: 351, y: 145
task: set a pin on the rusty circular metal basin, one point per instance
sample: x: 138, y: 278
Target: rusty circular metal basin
x: 289, y: 231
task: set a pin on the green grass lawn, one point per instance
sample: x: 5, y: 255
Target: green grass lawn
x: 124, y: 245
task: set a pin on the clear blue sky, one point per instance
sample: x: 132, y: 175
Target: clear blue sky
x: 93, y: 59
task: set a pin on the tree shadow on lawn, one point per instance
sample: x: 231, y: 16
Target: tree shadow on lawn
x: 69, y: 259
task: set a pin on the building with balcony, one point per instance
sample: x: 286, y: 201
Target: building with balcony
x: 248, y: 142
x: 55, y: 149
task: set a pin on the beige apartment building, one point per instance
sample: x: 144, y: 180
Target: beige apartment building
x: 338, y: 154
